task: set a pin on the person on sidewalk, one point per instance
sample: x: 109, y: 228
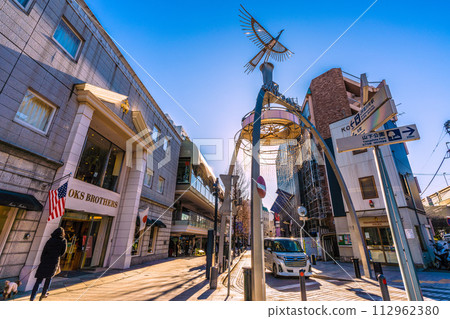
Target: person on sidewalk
x: 49, y: 267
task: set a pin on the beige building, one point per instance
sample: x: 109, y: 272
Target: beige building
x: 71, y: 105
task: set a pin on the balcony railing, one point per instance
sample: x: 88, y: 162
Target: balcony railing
x: 201, y: 188
x: 206, y: 224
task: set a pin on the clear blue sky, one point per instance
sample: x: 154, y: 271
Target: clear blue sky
x: 196, y: 51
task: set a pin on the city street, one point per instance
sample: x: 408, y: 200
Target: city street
x: 330, y: 283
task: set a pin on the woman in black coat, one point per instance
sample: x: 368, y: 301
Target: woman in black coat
x: 53, y: 250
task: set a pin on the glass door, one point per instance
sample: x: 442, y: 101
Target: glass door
x: 374, y: 244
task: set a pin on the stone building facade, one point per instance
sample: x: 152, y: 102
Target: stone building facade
x: 73, y: 110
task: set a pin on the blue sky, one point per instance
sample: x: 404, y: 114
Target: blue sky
x: 196, y: 51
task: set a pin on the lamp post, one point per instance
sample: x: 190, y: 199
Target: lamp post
x: 216, y: 206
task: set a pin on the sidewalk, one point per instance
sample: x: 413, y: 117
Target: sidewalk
x: 168, y: 279
x: 438, y: 279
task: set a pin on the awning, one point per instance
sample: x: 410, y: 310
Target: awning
x: 24, y: 201
x: 156, y: 223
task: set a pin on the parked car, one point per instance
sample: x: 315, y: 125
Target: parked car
x: 285, y: 257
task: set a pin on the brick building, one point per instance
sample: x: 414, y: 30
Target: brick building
x: 71, y: 104
x: 330, y: 103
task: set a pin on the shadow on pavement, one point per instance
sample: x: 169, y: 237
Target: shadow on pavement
x: 364, y: 294
x: 185, y: 295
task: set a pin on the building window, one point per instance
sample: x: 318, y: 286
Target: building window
x: 166, y: 144
x: 161, y: 182
x: 24, y: 4
x: 148, y: 178
x: 34, y: 112
x: 404, y: 183
x: 67, y: 38
x: 368, y: 187
x: 156, y: 133
x: 101, y: 162
x: 152, y: 240
x: 359, y: 151
x: 184, y: 171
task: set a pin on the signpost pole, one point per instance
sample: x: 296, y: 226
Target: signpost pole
x: 402, y: 251
x: 257, y: 256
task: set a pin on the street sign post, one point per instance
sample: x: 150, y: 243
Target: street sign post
x: 386, y: 137
x: 378, y: 118
x: 371, y: 106
x: 374, y: 114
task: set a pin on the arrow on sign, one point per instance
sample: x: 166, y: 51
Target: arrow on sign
x: 409, y: 130
x: 385, y: 137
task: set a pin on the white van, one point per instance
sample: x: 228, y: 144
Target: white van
x: 285, y: 257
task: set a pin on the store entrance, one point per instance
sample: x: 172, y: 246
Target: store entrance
x: 86, y: 236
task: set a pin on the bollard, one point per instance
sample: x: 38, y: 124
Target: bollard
x: 384, y: 288
x: 302, y: 285
x: 213, y: 277
x: 313, y: 259
x: 209, y: 252
x: 356, y: 266
x: 377, y: 269
x: 247, y: 283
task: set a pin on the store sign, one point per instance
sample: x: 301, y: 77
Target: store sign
x: 86, y: 197
x: 77, y: 194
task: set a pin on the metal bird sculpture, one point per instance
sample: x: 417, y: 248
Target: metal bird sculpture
x: 269, y: 45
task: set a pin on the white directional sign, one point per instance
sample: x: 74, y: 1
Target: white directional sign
x: 371, y: 106
x: 391, y: 136
x: 378, y: 118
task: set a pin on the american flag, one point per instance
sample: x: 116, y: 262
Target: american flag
x: 57, y: 199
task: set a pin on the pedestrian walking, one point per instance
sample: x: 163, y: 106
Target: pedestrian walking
x: 49, y: 267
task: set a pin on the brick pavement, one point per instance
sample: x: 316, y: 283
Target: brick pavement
x: 318, y: 289
x: 168, y: 279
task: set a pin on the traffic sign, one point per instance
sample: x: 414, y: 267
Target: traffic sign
x: 378, y: 118
x: 371, y: 106
x: 261, y: 187
x: 386, y: 137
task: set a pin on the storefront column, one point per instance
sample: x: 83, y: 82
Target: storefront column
x: 126, y: 221
x: 71, y: 155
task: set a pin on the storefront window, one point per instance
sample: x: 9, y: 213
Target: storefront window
x: 100, y: 162
x: 152, y: 240
x: 380, y: 244
x: 3, y: 216
x: 135, y: 248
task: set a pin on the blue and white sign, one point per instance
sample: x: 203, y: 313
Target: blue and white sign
x: 371, y: 106
x: 391, y: 136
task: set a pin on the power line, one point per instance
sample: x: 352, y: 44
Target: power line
x: 441, y: 137
x: 445, y: 157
